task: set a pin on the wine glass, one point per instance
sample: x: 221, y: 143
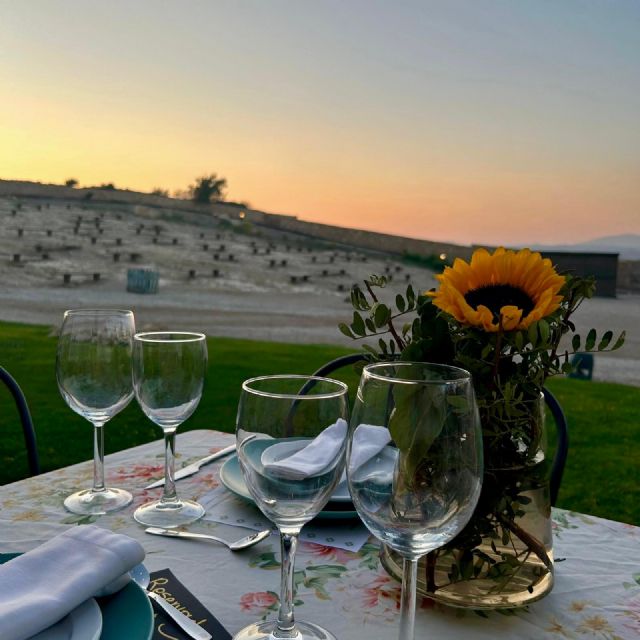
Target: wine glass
x: 168, y: 376
x: 419, y: 491
x: 291, y: 434
x: 93, y: 370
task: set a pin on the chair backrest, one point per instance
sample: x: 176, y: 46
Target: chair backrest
x: 562, y: 445
x: 25, y: 419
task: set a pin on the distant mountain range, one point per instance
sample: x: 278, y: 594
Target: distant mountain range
x: 627, y: 245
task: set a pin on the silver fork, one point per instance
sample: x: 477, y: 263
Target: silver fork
x: 237, y: 545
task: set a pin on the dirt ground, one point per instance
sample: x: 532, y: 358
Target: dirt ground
x: 274, y: 286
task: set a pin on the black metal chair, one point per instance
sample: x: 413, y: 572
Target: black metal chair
x: 562, y: 444
x: 25, y: 419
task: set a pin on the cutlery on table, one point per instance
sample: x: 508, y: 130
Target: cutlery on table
x: 140, y: 575
x: 237, y: 545
x: 194, y: 467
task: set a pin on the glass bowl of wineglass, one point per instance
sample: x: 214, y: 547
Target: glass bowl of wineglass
x: 168, y: 376
x: 419, y: 491
x: 291, y: 435
x: 93, y: 371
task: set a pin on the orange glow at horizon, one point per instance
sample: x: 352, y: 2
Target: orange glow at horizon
x: 496, y: 141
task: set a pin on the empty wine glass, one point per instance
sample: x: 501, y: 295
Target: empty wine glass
x: 420, y: 490
x: 93, y: 371
x: 291, y: 434
x: 168, y: 376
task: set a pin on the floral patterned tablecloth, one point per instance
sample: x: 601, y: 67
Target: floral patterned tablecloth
x: 596, y: 594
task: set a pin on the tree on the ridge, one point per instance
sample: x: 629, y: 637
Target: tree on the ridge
x: 208, y: 188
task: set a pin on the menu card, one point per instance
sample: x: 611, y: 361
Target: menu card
x: 166, y: 585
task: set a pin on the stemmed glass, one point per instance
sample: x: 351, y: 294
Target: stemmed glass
x: 420, y: 490
x: 93, y: 370
x: 168, y: 376
x: 291, y: 435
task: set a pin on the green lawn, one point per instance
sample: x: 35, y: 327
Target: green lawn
x: 600, y: 477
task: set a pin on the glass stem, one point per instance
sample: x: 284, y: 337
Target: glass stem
x: 98, y: 457
x: 408, y: 598
x: 286, y: 626
x: 169, y: 494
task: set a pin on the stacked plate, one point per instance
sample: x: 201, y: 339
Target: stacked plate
x: 340, y: 505
x: 125, y: 614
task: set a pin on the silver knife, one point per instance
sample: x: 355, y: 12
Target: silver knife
x: 190, y: 469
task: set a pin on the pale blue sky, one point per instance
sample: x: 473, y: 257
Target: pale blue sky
x: 475, y: 121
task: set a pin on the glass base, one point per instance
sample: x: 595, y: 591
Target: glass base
x: 168, y: 514
x: 268, y: 630
x: 96, y: 503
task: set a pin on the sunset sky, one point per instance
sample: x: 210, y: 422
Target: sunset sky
x: 471, y: 121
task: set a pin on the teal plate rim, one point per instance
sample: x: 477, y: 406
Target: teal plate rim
x: 231, y: 477
x: 129, y: 606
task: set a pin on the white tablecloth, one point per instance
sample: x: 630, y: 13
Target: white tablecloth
x: 596, y: 594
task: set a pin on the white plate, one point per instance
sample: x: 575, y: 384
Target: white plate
x: 338, y: 507
x: 83, y: 623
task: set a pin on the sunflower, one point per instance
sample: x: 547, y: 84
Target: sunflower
x: 505, y: 289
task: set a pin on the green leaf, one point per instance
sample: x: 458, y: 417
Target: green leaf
x: 416, y: 421
x: 357, y: 325
x: 370, y: 349
x: 411, y: 296
x: 567, y: 367
x: 575, y: 342
x: 619, y: 341
x: 519, y: 340
x: 532, y: 334
x: 400, y: 303
x: 381, y: 315
x: 605, y: 340
x: 370, y: 325
x: 590, y: 341
x: 459, y: 403
x: 543, y: 328
x: 345, y: 329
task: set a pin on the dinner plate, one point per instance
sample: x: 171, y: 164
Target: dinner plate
x: 83, y: 623
x: 340, y: 505
x: 125, y: 614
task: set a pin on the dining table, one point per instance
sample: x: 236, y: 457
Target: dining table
x: 597, y: 561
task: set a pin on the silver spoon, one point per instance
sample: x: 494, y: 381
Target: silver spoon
x: 140, y: 575
x: 237, y: 545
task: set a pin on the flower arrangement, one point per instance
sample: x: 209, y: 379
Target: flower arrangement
x: 505, y: 317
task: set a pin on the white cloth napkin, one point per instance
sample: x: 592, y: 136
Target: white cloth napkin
x: 368, y: 441
x: 321, y: 452
x: 42, y: 586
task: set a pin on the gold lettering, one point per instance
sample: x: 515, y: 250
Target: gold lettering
x: 174, y: 602
x: 165, y: 634
x: 157, y: 582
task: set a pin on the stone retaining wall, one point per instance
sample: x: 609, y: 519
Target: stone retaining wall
x: 359, y: 238
x: 23, y: 189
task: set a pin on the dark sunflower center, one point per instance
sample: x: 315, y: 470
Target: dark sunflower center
x: 496, y: 296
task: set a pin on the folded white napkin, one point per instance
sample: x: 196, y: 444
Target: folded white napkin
x: 42, y: 586
x: 368, y: 441
x: 311, y: 460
